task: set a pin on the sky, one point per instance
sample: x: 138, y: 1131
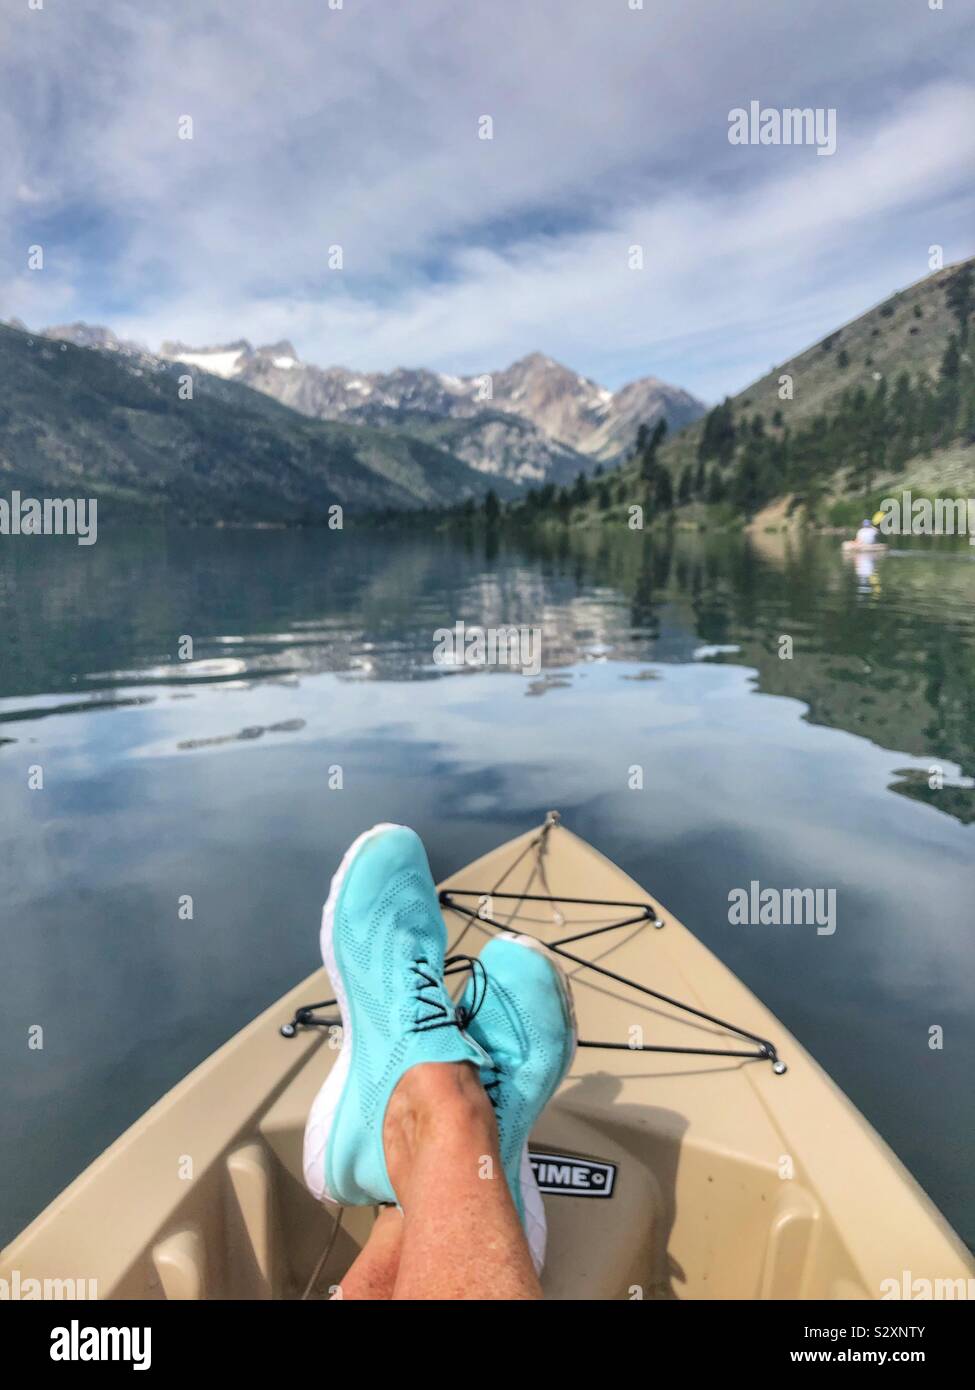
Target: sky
x: 355, y: 124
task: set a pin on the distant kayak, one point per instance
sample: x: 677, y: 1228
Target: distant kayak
x: 859, y: 548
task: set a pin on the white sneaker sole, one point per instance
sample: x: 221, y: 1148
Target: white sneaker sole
x: 322, y: 1114
x: 536, y: 1225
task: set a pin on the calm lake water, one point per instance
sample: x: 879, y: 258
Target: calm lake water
x: 314, y: 649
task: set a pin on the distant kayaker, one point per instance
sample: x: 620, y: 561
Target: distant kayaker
x: 868, y: 533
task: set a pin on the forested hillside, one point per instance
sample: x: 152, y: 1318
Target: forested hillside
x: 888, y: 397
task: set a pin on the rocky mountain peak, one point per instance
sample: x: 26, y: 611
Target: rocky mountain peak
x: 90, y: 335
x: 283, y: 349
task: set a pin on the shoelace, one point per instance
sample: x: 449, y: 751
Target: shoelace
x: 464, y: 1016
x: 491, y: 1087
x: 431, y: 994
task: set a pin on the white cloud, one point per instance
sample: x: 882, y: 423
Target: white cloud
x: 315, y: 126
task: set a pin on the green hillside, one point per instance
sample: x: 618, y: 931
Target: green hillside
x: 885, y: 391
x: 888, y: 399
x: 84, y: 422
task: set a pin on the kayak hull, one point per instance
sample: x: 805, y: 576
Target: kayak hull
x: 855, y: 548
x: 726, y: 1180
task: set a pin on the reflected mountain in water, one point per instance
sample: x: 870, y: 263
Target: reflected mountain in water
x: 888, y: 656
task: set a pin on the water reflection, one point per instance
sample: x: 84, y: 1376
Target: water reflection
x: 889, y: 659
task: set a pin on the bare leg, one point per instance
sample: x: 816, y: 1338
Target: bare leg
x: 373, y: 1272
x: 458, y: 1235
x: 461, y: 1237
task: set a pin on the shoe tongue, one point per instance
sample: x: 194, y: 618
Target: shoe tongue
x: 434, y: 1005
x: 436, y: 998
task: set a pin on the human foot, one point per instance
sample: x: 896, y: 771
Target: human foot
x: 526, y: 1025
x: 383, y: 941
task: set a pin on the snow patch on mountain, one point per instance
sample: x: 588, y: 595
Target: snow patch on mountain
x: 223, y: 364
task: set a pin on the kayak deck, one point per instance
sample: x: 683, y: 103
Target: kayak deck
x: 727, y: 1180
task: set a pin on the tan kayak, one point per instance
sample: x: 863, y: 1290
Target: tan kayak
x: 864, y: 548
x: 732, y: 1169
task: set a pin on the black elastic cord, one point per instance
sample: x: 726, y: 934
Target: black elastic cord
x: 479, y: 978
x: 645, y: 913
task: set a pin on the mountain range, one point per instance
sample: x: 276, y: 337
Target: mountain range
x: 140, y: 433
x: 534, y: 422
x: 562, y: 407
x: 242, y: 434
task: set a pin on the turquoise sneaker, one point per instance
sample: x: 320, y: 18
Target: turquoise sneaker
x: 526, y: 1024
x: 383, y: 942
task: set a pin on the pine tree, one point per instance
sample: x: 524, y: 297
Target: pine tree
x: 949, y: 391
x: 580, y: 490
x: 648, y: 454
x: 718, y: 434
x: 960, y: 298
x: 747, y: 491
x: 663, y: 491
x: 901, y: 423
